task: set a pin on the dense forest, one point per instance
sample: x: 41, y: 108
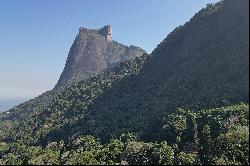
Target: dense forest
x: 209, y: 136
x: 185, y: 104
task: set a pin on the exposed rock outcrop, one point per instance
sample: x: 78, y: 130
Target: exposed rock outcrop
x: 93, y: 51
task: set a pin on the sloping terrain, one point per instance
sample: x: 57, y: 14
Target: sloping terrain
x: 92, y: 51
x: 208, y: 68
x: 34, y: 120
x: 187, y: 93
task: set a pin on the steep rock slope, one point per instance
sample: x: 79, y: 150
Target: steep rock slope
x: 93, y: 51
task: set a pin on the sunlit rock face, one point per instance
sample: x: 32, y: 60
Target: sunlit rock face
x: 92, y: 51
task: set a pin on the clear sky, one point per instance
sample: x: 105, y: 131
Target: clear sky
x: 36, y: 35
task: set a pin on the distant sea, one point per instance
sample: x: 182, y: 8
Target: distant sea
x: 6, y: 104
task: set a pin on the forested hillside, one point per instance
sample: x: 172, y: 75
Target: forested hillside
x: 208, y: 68
x: 63, y: 107
x: 210, y: 136
x: 187, y: 103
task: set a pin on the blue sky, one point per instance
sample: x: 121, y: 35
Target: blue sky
x: 36, y: 35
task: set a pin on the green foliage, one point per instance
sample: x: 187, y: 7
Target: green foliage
x: 82, y: 158
x: 3, y: 148
x: 233, y: 146
x: 47, y: 157
x: 206, y: 136
x: 87, y: 143
x: 175, y: 124
x: 187, y: 159
x: 163, y: 154
x: 210, y: 9
x: 205, y: 142
x: 114, y: 150
x: 12, y: 159
x: 191, y: 133
x: 203, y: 132
x: 137, y: 153
x: 185, y: 98
x: 128, y: 137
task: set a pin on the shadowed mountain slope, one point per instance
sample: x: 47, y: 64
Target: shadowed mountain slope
x: 202, y: 64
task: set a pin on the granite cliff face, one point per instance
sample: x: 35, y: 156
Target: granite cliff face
x: 93, y: 51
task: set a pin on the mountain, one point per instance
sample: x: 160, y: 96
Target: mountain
x: 208, y: 68
x: 190, y: 97
x: 93, y: 51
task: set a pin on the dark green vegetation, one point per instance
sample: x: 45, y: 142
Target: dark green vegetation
x: 185, y: 104
x: 71, y: 104
x: 210, y: 136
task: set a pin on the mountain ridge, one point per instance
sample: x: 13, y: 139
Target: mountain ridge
x: 186, y: 75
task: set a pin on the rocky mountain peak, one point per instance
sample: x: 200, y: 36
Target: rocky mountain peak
x: 92, y: 51
x: 106, y: 31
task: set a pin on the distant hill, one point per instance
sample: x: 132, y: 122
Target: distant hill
x: 6, y: 104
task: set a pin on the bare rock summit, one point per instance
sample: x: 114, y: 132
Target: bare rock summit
x: 92, y: 51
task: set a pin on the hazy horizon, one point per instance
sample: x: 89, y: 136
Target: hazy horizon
x: 6, y: 104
